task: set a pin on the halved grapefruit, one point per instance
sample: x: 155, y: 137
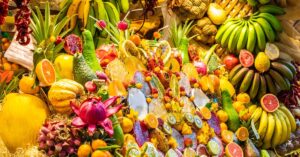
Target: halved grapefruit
x: 269, y: 102
x: 45, y: 72
x: 233, y: 150
x: 246, y: 58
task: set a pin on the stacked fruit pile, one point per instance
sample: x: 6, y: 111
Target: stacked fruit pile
x: 140, y: 97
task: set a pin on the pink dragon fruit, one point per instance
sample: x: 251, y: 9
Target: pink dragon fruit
x: 93, y: 112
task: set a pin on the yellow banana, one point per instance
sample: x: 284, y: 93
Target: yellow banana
x: 284, y: 128
x: 72, y: 11
x: 270, y: 131
x: 290, y: 117
x: 288, y: 124
x: 256, y: 115
x: 86, y: 12
x: 252, y: 109
x: 80, y: 10
x: 263, y: 124
x: 277, y: 133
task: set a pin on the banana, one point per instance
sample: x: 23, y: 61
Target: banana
x: 246, y: 81
x: 267, y: 28
x: 290, y: 117
x: 252, y: 109
x: 234, y: 37
x: 234, y: 71
x: 72, y: 11
x: 270, y: 131
x: 100, y: 10
x: 255, y: 86
x: 282, y: 69
x: 63, y: 10
x: 256, y: 115
x: 274, y: 22
x: 262, y: 129
x: 81, y: 12
x: 262, y: 88
x: 243, y: 38
x: 284, y: 132
x: 277, y: 133
x: 228, y: 32
x: 272, y: 9
x: 238, y: 77
x: 289, y: 65
x: 271, y: 85
x: 86, y: 13
x: 124, y: 5
x: 112, y: 12
x: 279, y: 80
x: 261, y: 38
x: 223, y: 29
x: 287, y: 122
x: 251, y: 42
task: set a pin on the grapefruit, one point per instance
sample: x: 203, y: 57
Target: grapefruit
x: 233, y: 150
x: 45, y: 72
x: 246, y: 58
x: 269, y: 102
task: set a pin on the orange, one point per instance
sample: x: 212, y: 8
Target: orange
x: 222, y: 115
x: 84, y: 150
x: 45, y: 72
x: 99, y: 153
x: 205, y: 113
x: 243, y: 97
x: 151, y: 121
x: 98, y: 143
x: 223, y: 126
x: 242, y: 133
x: 26, y: 85
x: 7, y: 66
x: 126, y: 124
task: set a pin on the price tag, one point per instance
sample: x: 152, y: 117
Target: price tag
x: 19, y: 54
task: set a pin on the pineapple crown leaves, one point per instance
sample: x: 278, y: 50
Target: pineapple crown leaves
x: 181, y: 31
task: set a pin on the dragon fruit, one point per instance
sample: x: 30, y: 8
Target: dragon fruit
x: 93, y: 112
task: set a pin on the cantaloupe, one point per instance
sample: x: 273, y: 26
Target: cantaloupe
x: 21, y: 119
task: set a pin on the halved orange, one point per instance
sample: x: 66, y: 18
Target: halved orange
x: 45, y: 72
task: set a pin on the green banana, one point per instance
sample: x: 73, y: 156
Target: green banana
x: 282, y: 69
x: 271, y: 85
x: 238, y: 77
x: 272, y: 9
x: 112, y: 12
x: 289, y: 65
x: 234, y: 71
x: 224, y: 28
x: 225, y: 37
x: 100, y: 11
x: 234, y: 37
x: 267, y: 28
x: 279, y: 80
x: 251, y: 42
x: 124, y: 5
x: 247, y: 81
x: 262, y: 88
x: 261, y: 38
x: 274, y: 22
x: 243, y: 38
x: 255, y: 86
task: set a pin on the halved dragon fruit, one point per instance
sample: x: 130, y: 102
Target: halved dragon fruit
x: 138, y: 132
x: 73, y: 44
x: 214, y: 123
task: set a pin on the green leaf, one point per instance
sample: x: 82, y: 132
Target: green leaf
x: 47, y: 20
x: 42, y: 22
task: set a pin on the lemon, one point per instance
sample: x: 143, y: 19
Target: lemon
x: 64, y: 66
x: 262, y: 62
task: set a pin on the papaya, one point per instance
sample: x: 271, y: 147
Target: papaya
x: 233, y: 121
x: 21, y: 118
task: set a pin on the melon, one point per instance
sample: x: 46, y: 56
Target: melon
x: 233, y: 150
x: 269, y: 102
x: 21, y: 118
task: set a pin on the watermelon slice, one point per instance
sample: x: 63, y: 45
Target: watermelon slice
x: 269, y: 102
x: 246, y: 58
x: 234, y: 150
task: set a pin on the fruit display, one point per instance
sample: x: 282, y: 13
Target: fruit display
x: 211, y: 81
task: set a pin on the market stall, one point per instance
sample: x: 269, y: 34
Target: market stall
x: 150, y: 78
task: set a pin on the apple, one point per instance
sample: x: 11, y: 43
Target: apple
x: 230, y: 61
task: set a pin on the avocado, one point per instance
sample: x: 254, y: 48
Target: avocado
x: 82, y: 72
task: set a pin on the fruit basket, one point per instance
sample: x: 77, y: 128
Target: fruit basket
x: 173, y: 78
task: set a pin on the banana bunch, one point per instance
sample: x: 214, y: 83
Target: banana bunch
x: 80, y: 10
x: 251, y: 34
x: 276, y: 79
x: 273, y: 128
x: 235, y: 8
